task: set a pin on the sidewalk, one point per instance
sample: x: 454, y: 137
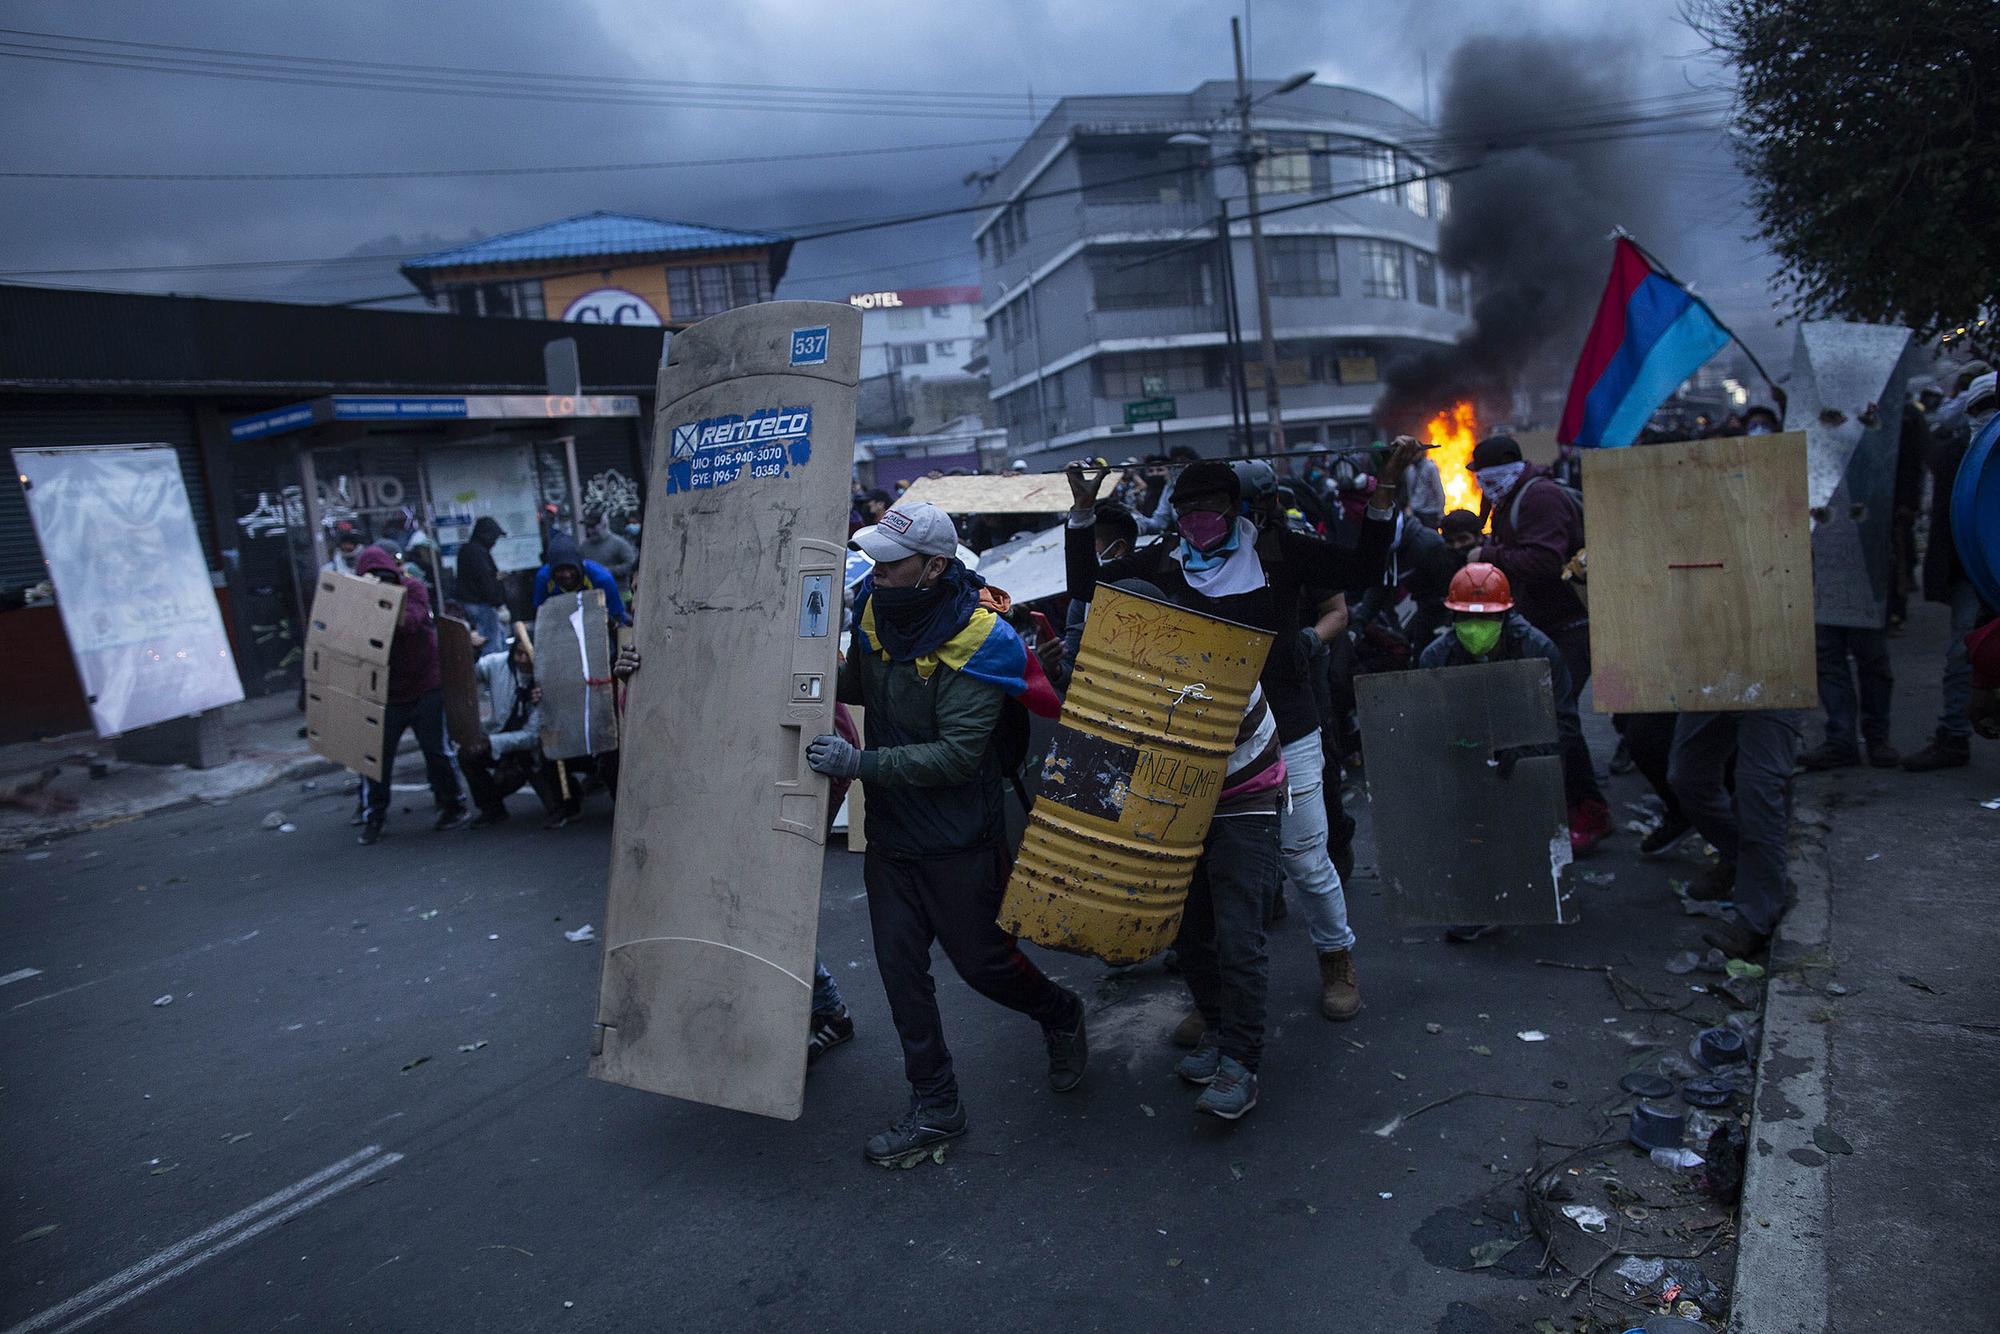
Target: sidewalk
x: 1873, y: 1160
x: 264, y: 745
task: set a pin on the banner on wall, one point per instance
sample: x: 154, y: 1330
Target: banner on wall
x: 132, y: 586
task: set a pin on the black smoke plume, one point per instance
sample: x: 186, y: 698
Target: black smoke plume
x: 1530, y: 224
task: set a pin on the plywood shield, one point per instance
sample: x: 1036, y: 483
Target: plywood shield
x: 1700, y: 576
x: 573, y: 668
x: 720, y: 828
x: 461, y: 684
x: 1847, y: 396
x: 1459, y: 837
x: 347, y: 669
x: 1013, y: 493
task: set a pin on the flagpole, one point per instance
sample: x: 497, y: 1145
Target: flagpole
x: 1668, y: 274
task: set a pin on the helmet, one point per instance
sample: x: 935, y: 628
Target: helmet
x: 1479, y: 587
x: 1255, y: 478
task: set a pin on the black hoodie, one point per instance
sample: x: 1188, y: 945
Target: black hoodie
x: 478, y: 576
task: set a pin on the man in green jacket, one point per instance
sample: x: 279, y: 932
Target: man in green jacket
x: 935, y: 669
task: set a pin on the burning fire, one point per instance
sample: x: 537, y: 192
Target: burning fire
x: 1453, y: 433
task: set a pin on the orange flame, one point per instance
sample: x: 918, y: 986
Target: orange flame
x: 1453, y: 433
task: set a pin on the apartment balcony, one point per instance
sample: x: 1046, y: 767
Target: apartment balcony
x: 1152, y: 322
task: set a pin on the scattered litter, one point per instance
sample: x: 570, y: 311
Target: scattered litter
x: 1598, y: 877
x: 1385, y: 1194
x: 288, y: 828
x: 466, y: 1046
x: 1830, y: 1142
x: 1490, y: 1253
x: 36, y: 857
x: 1705, y: 1092
x: 493, y: 936
x: 1684, y: 1282
x: 1683, y: 963
x: 37, y: 1233
x: 1532, y: 1035
x: 308, y: 785
x: 1173, y: 1262
x: 1642, y: 1269
x: 162, y: 1171
x: 1717, y: 1047
x: 413, y: 1064
x: 583, y: 935
x: 1147, y: 1110
x: 1586, y: 1216
x: 1993, y: 805
x: 1744, y: 968
x: 1312, y: 1208
x: 238, y: 1137
x: 1400, y: 1075
x: 1683, y: 1159
x: 1872, y: 857
x: 1646, y: 1084
x: 275, y: 820
x: 426, y: 916
x: 1433, y: 1028
x: 1236, y: 1171
x: 1482, y: 1050
x: 1918, y: 983
x: 1835, y: 989
x: 569, y: 1306
x: 164, y: 1000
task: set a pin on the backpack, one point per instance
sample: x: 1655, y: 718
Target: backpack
x: 1574, y: 542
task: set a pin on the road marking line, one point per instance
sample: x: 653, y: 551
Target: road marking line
x: 20, y: 975
x: 97, y: 1292
x: 171, y: 958
x: 262, y: 1225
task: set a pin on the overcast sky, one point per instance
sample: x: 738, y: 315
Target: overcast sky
x: 70, y: 117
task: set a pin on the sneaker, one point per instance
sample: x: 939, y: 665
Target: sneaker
x: 915, y: 1133
x: 1829, y: 756
x: 1944, y: 752
x: 1736, y: 938
x: 1189, y: 1031
x: 1621, y: 759
x: 828, y: 1031
x: 371, y: 833
x: 1717, y: 883
x: 1339, y: 989
x: 1882, y: 755
x: 559, y: 817
x: 1199, y: 1066
x: 497, y: 815
x: 1462, y: 935
x: 452, y: 817
x: 1069, y: 1052
x: 1666, y: 835
x: 1589, y: 825
x: 1231, y: 1093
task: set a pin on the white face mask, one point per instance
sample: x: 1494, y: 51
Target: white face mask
x: 1758, y: 429
x: 1498, y: 480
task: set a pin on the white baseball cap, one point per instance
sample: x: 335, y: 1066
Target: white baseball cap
x: 910, y: 529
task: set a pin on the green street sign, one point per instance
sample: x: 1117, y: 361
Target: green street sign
x: 1150, y: 410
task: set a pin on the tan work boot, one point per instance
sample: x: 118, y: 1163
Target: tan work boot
x: 1188, y: 1032
x: 1340, y: 990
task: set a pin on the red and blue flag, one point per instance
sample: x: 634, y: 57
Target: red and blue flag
x: 1650, y: 334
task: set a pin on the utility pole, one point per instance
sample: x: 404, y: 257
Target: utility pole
x: 1258, y: 271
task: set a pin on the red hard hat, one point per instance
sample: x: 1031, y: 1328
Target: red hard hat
x: 1479, y: 587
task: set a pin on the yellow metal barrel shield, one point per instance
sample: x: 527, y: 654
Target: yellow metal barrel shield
x: 1131, y: 781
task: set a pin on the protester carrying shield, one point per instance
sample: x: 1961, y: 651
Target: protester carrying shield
x: 1222, y: 564
x: 415, y: 702
x: 479, y: 589
x: 566, y: 571
x: 941, y: 675
x: 510, y: 753
x: 1944, y: 576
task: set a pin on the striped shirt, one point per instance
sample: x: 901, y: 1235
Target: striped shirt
x: 1254, y: 781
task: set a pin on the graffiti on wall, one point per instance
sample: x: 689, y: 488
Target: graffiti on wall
x: 611, y: 493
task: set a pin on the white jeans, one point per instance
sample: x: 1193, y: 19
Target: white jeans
x: 1302, y: 847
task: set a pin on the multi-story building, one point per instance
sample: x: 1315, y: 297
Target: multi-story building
x: 919, y: 333
x: 605, y: 268
x: 1104, y: 274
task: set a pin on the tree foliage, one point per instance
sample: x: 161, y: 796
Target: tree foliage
x: 1868, y: 131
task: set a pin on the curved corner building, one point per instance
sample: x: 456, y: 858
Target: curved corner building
x: 1103, y: 274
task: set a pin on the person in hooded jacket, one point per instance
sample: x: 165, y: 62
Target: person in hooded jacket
x: 564, y: 570
x: 416, y: 702
x: 509, y: 750
x: 1537, y: 527
x: 479, y: 589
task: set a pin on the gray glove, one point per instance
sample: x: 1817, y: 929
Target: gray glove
x: 834, y: 757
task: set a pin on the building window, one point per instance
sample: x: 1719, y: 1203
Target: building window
x: 943, y: 349
x: 1184, y: 278
x: 1289, y: 166
x: 1440, y: 199
x: 1123, y: 375
x: 1416, y: 194
x: 520, y: 300
x: 1454, y: 291
x: 1382, y: 269
x: 1304, y: 266
x: 696, y: 291
x: 908, y: 354
x: 940, y: 312
x: 1378, y: 165
x: 904, y: 318
x: 1426, y: 270
x: 1128, y: 169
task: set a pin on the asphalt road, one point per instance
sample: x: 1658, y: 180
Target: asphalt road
x: 301, y: 1139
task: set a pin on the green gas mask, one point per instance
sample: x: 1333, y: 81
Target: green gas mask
x: 1478, y: 633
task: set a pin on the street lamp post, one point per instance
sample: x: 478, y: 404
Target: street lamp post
x: 1274, y: 418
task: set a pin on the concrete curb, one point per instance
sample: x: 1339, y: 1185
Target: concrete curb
x: 1782, y: 1283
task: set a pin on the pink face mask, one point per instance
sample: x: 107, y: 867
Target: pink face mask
x: 1203, y: 529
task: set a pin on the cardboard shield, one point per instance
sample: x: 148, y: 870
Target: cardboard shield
x: 573, y: 668
x: 1701, y: 576
x: 719, y: 835
x: 1839, y: 373
x: 1459, y: 838
x: 347, y: 669
x: 461, y: 684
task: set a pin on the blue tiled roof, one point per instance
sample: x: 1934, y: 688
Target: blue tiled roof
x: 591, y: 234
